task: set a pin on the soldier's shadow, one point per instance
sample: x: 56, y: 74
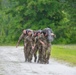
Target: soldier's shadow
x: 14, y: 61
x: 23, y: 62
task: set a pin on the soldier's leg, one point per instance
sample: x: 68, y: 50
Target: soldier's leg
x: 43, y: 55
x: 25, y: 53
x: 40, y: 55
x: 35, y: 53
x: 30, y: 55
x: 48, y: 54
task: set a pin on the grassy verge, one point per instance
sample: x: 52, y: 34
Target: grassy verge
x: 64, y: 52
x: 11, y: 44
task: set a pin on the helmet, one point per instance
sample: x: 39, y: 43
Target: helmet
x: 39, y: 31
x: 48, y: 31
x: 29, y: 30
x: 44, y: 32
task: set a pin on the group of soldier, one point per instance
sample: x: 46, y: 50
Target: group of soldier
x: 38, y: 44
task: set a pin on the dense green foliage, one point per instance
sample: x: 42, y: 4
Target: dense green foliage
x: 16, y: 15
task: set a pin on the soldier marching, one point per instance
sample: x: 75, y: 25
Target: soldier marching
x: 37, y: 44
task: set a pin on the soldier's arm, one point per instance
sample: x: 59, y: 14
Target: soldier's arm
x: 20, y: 38
x: 33, y: 46
x: 33, y: 43
x: 25, y: 41
x: 42, y: 42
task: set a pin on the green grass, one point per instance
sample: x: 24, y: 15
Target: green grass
x: 64, y: 52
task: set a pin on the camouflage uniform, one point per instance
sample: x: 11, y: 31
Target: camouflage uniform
x: 44, y: 50
x: 49, y: 38
x: 40, y: 48
x: 22, y: 37
x: 37, y: 44
x: 35, y: 48
x: 29, y: 44
x: 48, y: 51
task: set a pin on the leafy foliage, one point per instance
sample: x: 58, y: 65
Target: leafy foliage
x: 16, y: 15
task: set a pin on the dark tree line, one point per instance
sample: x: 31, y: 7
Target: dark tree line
x: 16, y: 15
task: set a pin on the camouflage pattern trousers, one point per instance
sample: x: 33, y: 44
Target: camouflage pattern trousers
x: 48, y: 52
x: 37, y: 49
x: 28, y: 53
x: 43, y: 53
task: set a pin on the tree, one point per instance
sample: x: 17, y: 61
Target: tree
x: 17, y: 15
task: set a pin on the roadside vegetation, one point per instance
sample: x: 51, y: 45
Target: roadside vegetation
x: 65, y: 53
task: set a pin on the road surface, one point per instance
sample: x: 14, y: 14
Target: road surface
x: 12, y: 63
